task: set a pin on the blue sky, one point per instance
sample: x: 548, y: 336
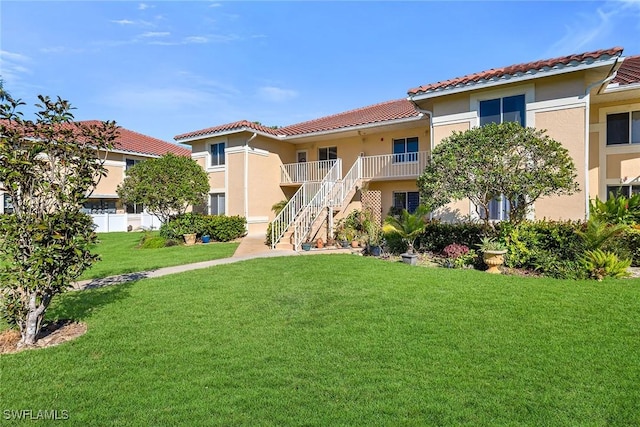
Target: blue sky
x: 163, y: 68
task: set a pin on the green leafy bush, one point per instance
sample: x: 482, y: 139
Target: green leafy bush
x: 616, y: 210
x: 152, y: 241
x: 600, y: 264
x: 187, y: 223
x: 223, y: 228
x: 627, y: 245
x: 438, y: 235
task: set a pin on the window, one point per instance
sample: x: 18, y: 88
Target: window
x: 135, y: 208
x: 409, y: 200
x: 129, y: 163
x: 8, y: 206
x: 623, y: 128
x: 99, y: 206
x: 217, y: 154
x: 328, y: 153
x: 501, y: 110
x: 405, y: 150
x: 622, y: 190
x: 217, y: 203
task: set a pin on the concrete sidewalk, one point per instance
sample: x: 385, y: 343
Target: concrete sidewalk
x: 251, y: 247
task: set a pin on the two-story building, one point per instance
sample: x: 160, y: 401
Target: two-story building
x: 371, y: 156
x: 108, y: 211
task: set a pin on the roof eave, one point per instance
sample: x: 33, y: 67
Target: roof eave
x: 529, y: 75
x: 187, y: 140
x: 355, y: 128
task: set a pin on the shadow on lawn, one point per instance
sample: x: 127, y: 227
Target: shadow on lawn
x: 82, y: 305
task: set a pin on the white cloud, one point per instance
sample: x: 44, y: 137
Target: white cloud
x: 276, y: 94
x: 123, y: 22
x: 144, y: 6
x: 215, y: 5
x: 13, y: 66
x: 196, y: 39
x: 155, y: 34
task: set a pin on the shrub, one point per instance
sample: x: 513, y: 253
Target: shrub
x: 628, y: 245
x: 152, y: 241
x: 223, y: 228
x: 187, y: 223
x: 600, y: 264
x: 437, y: 235
x: 455, y: 250
x: 616, y: 210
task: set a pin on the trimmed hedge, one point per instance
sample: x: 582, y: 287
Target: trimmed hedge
x: 220, y: 228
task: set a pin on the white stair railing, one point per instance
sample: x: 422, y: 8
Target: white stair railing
x: 287, y: 216
x: 321, y: 200
x: 292, y: 173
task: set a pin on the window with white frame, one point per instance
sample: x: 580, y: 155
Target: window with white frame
x: 216, y: 203
x: 405, y: 150
x: 129, y: 163
x: 622, y: 190
x: 217, y: 154
x: 501, y: 110
x: 409, y: 200
x: 328, y: 153
x: 623, y: 128
x: 8, y: 206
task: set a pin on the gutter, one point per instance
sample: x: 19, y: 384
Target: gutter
x: 587, y: 112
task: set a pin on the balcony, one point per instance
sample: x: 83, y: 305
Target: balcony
x: 385, y: 166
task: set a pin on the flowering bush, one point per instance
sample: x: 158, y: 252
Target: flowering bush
x: 455, y: 250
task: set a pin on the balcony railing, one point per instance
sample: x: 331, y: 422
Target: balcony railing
x: 293, y: 173
x: 390, y: 166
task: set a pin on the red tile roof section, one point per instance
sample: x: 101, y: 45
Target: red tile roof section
x: 382, y: 112
x: 235, y: 126
x: 385, y: 111
x: 629, y: 72
x: 496, y: 73
x: 135, y: 142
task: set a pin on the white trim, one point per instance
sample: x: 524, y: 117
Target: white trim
x: 558, y: 104
x: 114, y: 163
x: 621, y: 88
x: 451, y: 119
x: 199, y: 155
x: 257, y: 219
x: 244, y: 149
x: 508, y: 79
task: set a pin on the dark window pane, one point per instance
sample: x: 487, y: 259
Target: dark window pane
x: 399, y: 146
x: 333, y: 153
x: 494, y: 208
x: 617, y: 190
x: 413, y: 201
x: 412, y: 145
x: 617, y: 128
x: 513, y: 109
x: 490, y: 111
x: 400, y: 200
x: 635, y: 127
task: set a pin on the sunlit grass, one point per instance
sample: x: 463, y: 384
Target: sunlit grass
x: 340, y: 340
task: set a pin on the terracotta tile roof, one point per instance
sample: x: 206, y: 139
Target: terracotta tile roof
x: 229, y: 127
x: 515, y: 70
x: 135, y: 142
x: 629, y: 72
x: 382, y: 112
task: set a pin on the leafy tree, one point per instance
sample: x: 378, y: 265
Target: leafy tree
x: 166, y: 186
x: 498, y: 160
x: 48, y: 167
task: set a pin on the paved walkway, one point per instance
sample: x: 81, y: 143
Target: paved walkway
x: 251, y: 247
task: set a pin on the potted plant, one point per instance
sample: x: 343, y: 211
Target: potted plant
x: 492, y: 254
x: 374, y: 238
x: 341, y: 235
x: 306, y: 245
x: 409, y: 227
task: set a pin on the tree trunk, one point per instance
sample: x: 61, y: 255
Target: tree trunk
x: 30, y: 327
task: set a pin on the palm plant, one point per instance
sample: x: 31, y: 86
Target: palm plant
x: 409, y: 226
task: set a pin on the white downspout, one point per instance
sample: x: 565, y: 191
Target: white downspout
x: 587, y: 113
x: 246, y: 177
x: 431, y: 137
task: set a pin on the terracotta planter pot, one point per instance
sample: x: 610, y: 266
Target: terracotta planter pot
x: 189, y: 239
x: 493, y: 259
x: 355, y: 244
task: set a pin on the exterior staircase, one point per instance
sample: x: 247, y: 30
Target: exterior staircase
x: 324, y: 191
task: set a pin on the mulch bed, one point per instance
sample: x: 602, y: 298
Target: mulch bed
x: 51, y: 334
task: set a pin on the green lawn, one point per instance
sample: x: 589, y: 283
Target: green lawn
x: 340, y: 340
x: 120, y: 255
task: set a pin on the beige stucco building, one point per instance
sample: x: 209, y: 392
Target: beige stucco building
x: 129, y: 148
x: 589, y: 102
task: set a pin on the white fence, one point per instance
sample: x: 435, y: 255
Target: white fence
x: 106, y: 223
